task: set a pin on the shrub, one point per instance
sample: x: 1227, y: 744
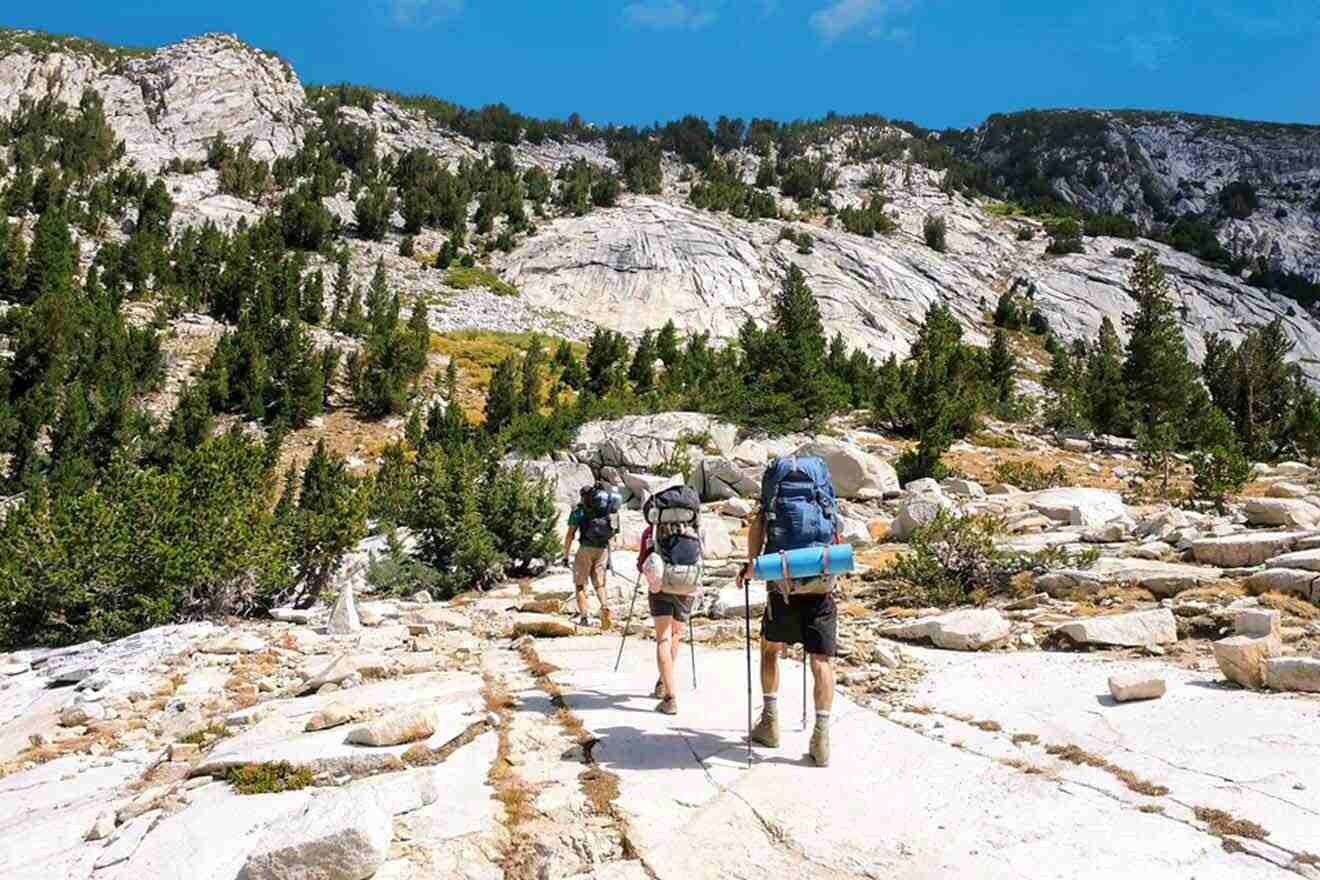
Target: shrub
x: 1219, y: 472
x: 466, y: 276
x: 268, y: 778
x: 935, y: 230
x: 954, y: 561
x: 372, y: 211
x: 396, y: 573
x: 1029, y: 476
x: 1239, y: 199
x: 1025, y: 233
x: 1065, y: 237
x: 407, y: 246
x: 1123, y: 252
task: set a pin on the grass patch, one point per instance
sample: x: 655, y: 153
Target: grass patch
x: 267, y: 778
x: 1029, y: 476
x: 1027, y: 738
x: 468, y: 277
x: 421, y: 756
x: 1079, y: 756
x: 1227, y: 590
x: 41, y: 43
x: 1024, y: 766
x: 1290, y: 605
x: 1150, y: 808
x: 212, y: 731
x: 601, y: 788
x: 987, y: 440
x: 1224, y: 824
x: 1001, y: 209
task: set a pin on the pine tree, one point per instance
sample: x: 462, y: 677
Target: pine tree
x: 1103, y: 382
x: 666, y: 344
x: 502, y: 395
x: 14, y: 278
x: 343, y: 289
x: 939, y: 380
x: 1001, y: 368
x: 419, y: 336
x: 533, y: 378
x: 313, y: 298
x: 331, y: 517
x: 53, y: 258
x: 1160, y: 378
x: 355, y: 323
x: 642, y: 370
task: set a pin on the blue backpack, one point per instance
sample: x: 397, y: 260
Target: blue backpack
x: 797, y: 498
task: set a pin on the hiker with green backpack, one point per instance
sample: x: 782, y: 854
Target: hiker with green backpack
x: 594, y: 521
x: 797, y: 510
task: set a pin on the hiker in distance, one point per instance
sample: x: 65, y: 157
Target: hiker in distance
x: 593, y: 523
x: 670, y: 561
x: 797, y: 509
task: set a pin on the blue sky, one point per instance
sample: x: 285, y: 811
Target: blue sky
x: 937, y: 62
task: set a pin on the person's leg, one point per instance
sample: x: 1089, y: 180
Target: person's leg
x: 664, y: 655
x: 770, y: 668
x: 820, y: 635
x: 822, y: 674
x: 581, y: 571
x: 677, y: 628
x: 598, y: 581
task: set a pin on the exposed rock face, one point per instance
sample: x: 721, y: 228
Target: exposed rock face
x: 1281, y: 512
x: 1079, y: 507
x: 172, y: 103
x: 854, y: 472
x: 648, y: 442
x: 1141, y: 162
x: 1249, y: 548
x: 336, y: 836
x: 1293, y: 674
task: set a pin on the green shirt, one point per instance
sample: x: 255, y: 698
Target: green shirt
x: 575, y: 521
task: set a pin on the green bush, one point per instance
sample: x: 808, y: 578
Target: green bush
x: 935, y: 230
x: 267, y: 778
x: 954, y: 561
x: 1029, y: 476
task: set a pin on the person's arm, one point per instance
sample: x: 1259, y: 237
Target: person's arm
x: 645, y: 550
x: 568, y: 541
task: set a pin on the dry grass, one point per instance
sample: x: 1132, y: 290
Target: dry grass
x: 1025, y: 767
x: 1150, y: 808
x: 1225, y: 824
x: 1306, y: 858
x: 920, y: 710
x: 1079, y: 756
x: 1126, y: 594
x: 1219, y: 590
x: 601, y: 788
x: 421, y: 756
x: 1290, y: 605
x: 1029, y: 738
x: 535, y: 665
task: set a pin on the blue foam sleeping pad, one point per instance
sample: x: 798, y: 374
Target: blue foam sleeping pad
x: 804, y: 563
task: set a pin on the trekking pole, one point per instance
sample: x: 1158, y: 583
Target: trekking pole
x: 747, y: 617
x: 804, y: 687
x: 628, y: 623
x: 692, y: 644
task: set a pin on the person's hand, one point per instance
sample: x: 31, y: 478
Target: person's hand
x: 566, y: 565
x: 744, y: 575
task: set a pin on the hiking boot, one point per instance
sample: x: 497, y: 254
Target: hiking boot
x: 604, y: 618
x: 766, y: 731
x: 668, y: 706
x: 659, y: 690
x: 583, y: 620
x: 820, y: 745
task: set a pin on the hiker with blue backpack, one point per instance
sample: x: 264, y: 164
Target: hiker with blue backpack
x: 797, y: 511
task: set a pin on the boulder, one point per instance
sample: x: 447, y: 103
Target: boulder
x: 1246, y: 548
x: 14, y: 667
x: 444, y: 619
x: 643, y: 486
x: 1308, y: 560
x: 542, y: 625
x: 1288, y: 490
x: 1079, y: 507
x: 964, y: 488
x: 719, y: 479
x: 1242, y: 658
x: 567, y: 478
x: 334, y: 715
x: 648, y: 442
x: 335, y: 672
x: 1163, y: 579
x: 1305, y: 584
x: 1281, y: 512
x: 337, y: 836
x: 344, y: 618
x: 716, y: 542
x: 397, y: 728
x: 82, y: 713
x: 1129, y: 686
x: 924, y: 486
x: 855, y: 472
x: 1113, y: 532
x: 243, y: 643
x: 855, y: 532
x: 740, y: 508
x: 1154, y: 550
x: 917, y: 511
x: 1293, y: 674
x: 965, y: 630
x: 1162, y: 526
x: 1135, y: 629
x: 730, y: 602
x: 1258, y: 622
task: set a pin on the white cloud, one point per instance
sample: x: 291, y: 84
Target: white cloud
x: 421, y: 13
x: 845, y: 16
x: 668, y: 15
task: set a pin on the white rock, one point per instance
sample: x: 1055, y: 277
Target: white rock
x: 1242, y: 658
x: 1303, y: 583
x: 887, y: 656
x: 244, y: 643
x: 1257, y: 622
x: 915, y: 512
x: 336, y: 836
x: 731, y: 603
x: 1293, y: 674
x: 1136, y: 686
x: 648, y: 442
x: 718, y: 479
x: 103, y: 827
x: 924, y: 486
x: 965, y: 630
x: 737, y: 507
x: 1247, y: 548
x: 82, y: 713
x: 1079, y: 507
x: 1135, y: 629
x: 1308, y: 560
x: 965, y: 488
x: 716, y: 542
x: 395, y: 729
x: 344, y: 618
x: 336, y: 671
x: 14, y: 667
x: 1281, y: 512
x: 854, y: 472
x: 1150, y: 550
x: 1288, y: 490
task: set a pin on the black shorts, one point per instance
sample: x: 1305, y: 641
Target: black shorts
x: 811, y: 621
x: 669, y: 605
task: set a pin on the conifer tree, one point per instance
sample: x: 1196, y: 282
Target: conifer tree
x: 355, y: 322
x: 502, y: 395
x: 14, y: 280
x: 1103, y: 382
x: 642, y: 370
x: 532, y: 389
x: 1001, y: 368
x: 52, y: 260
x: 666, y: 344
x: 313, y: 298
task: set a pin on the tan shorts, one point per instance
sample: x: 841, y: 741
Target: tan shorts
x: 589, y: 562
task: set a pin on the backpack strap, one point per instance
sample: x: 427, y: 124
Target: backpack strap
x: 825, y: 562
